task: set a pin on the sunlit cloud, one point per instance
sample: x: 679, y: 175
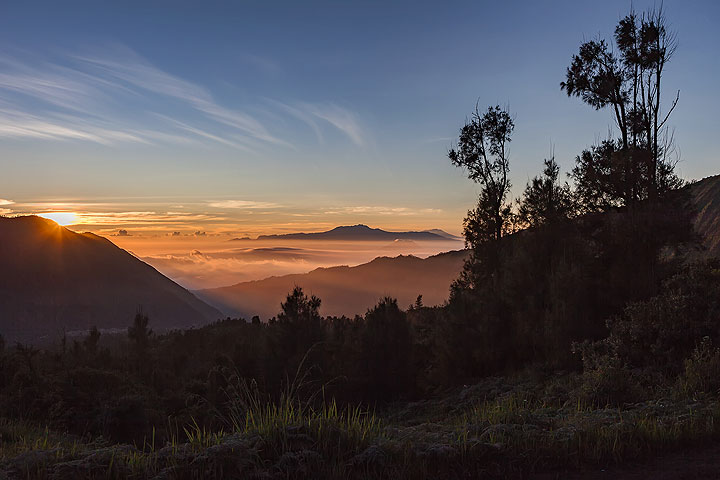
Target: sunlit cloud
x: 222, y: 219
x: 246, y: 204
x: 383, y: 210
x: 154, y: 219
x: 4, y: 201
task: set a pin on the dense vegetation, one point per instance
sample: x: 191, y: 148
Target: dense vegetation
x: 577, y: 335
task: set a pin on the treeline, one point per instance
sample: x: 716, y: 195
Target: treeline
x: 143, y: 383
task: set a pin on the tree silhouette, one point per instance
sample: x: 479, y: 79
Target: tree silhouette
x: 638, y: 165
x: 544, y: 200
x: 140, y: 333
x: 482, y: 151
x: 299, y: 309
x: 647, y: 46
x: 298, y: 328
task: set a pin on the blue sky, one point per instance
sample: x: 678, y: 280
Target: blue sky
x: 256, y: 117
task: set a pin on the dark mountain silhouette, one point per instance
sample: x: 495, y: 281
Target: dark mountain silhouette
x: 346, y: 290
x: 363, y: 233
x: 53, y: 279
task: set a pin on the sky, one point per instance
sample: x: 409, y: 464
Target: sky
x: 160, y: 119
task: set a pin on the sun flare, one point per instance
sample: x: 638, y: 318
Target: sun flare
x: 61, y: 218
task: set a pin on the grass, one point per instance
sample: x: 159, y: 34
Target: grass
x: 551, y: 435
x: 17, y: 437
x: 510, y: 433
x: 279, y: 424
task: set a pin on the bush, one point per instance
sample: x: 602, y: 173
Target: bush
x: 662, y: 331
x: 605, y: 381
x: 702, y: 370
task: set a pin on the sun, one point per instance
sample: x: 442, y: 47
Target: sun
x: 61, y: 218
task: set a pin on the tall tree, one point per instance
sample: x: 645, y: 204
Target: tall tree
x: 482, y: 151
x: 629, y: 82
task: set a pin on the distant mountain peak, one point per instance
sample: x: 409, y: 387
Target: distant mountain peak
x: 362, y: 232
x: 359, y: 226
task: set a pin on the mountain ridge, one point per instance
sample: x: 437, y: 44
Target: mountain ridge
x: 54, y: 279
x: 361, y: 232
x: 346, y: 290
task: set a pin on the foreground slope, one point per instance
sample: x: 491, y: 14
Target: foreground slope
x: 53, y: 279
x: 347, y: 290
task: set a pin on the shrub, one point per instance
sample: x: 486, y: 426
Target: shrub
x: 605, y: 381
x: 702, y: 370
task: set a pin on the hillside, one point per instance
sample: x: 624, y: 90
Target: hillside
x: 706, y: 197
x: 364, y: 233
x: 54, y: 279
x: 346, y: 290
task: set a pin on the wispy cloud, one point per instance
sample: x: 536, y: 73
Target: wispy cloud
x: 246, y: 204
x: 128, y: 67
x: 4, y: 201
x: 202, y: 133
x: 51, y: 83
x: 114, y: 95
x: 340, y: 118
x: 16, y: 123
x: 304, y: 116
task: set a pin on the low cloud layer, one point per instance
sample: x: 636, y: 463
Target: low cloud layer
x: 223, y: 264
